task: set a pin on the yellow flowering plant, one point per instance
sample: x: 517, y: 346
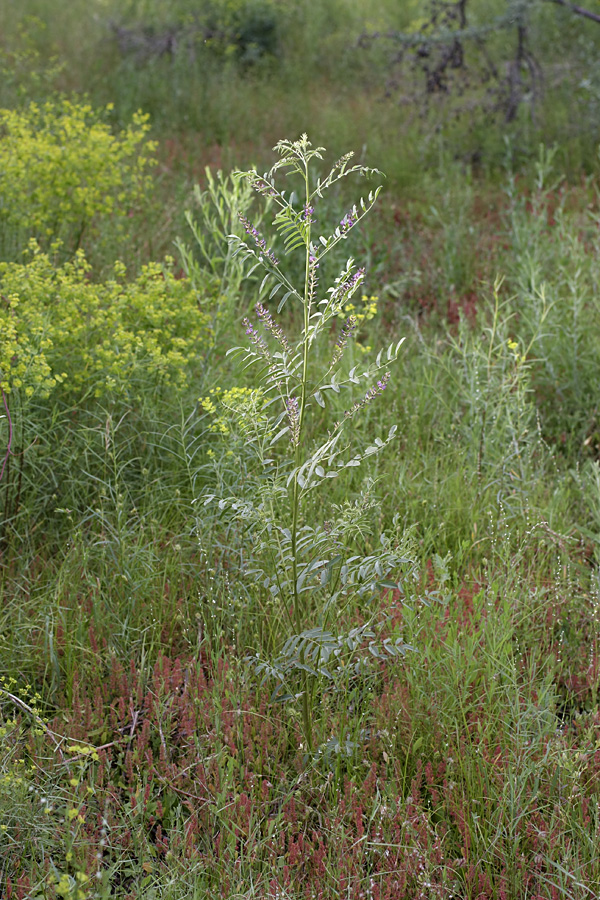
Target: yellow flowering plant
x: 364, y: 314
x: 239, y: 405
x: 59, y: 328
x: 62, y: 171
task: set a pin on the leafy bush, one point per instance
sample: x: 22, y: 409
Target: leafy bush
x: 104, y: 340
x: 241, y: 29
x: 554, y: 272
x: 247, y: 28
x: 25, y: 74
x: 493, y: 411
x: 215, y: 215
x: 62, y: 170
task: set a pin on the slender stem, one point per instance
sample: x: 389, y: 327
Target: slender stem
x: 578, y: 10
x: 306, y: 717
x: 24, y: 707
x: 10, y: 433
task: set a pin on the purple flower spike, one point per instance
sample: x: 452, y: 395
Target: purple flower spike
x: 256, y: 339
x: 373, y: 392
x: 342, y: 341
x: 258, y: 240
x: 267, y: 320
x: 293, y: 411
x: 347, y: 287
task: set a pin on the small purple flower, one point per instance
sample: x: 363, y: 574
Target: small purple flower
x: 379, y: 388
x: 308, y: 213
x: 347, y: 223
x: 355, y: 280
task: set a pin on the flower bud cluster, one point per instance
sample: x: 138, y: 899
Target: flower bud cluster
x: 263, y: 187
x: 313, y: 278
x: 257, y: 339
x: 268, y: 322
x: 342, y: 161
x: 258, y: 240
x: 342, y: 342
x: 347, y: 222
x: 293, y: 411
x: 373, y: 392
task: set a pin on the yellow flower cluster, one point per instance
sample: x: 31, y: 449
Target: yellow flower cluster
x: 368, y: 311
x: 61, y: 166
x: 11, y: 780
x: 59, y: 328
x: 8, y: 712
x: 240, y: 404
x: 364, y: 314
x: 69, y: 887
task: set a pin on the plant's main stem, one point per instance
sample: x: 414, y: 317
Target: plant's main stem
x: 306, y: 712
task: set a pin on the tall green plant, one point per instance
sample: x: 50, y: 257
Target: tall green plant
x: 313, y: 559
x: 216, y: 214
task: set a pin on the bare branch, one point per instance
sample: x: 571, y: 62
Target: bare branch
x: 578, y: 10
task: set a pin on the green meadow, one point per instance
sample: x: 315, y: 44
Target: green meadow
x: 299, y: 450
